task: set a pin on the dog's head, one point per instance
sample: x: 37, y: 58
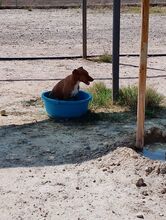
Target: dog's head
x: 82, y: 75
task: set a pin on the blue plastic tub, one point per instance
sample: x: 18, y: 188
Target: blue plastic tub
x: 72, y: 108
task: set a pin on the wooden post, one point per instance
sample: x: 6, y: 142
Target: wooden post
x: 142, y: 75
x: 84, y: 28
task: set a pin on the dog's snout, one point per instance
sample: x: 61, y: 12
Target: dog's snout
x: 91, y: 79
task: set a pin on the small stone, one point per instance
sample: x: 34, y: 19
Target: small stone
x: 140, y: 216
x: 51, y: 158
x: 46, y: 214
x: 148, y: 170
x: 77, y: 188
x: 140, y: 183
x: 145, y: 193
x: 163, y: 191
x: 163, y: 169
x: 161, y: 214
x: 110, y: 171
x: 113, y: 164
x: 3, y: 113
x: 158, y: 170
x: 105, y: 169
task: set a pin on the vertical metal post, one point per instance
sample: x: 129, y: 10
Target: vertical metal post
x: 84, y: 28
x: 115, y: 49
x: 142, y: 75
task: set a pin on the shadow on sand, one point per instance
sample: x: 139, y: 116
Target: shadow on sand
x: 50, y: 142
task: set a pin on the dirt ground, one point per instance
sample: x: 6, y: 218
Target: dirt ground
x: 61, y: 170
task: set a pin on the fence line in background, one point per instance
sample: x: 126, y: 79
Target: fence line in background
x: 68, y: 3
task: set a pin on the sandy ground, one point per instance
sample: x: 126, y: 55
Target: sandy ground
x: 74, y: 170
x: 59, y: 33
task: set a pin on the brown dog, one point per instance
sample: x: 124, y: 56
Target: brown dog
x: 69, y: 87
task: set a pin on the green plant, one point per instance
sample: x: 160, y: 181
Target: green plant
x: 128, y: 97
x: 102, y: 99
x: 105, y: 58
x: 101, y: 96
x: 131, y: 9
x: 28, y: 7
x: 158, y: 10
x: 153, y: 98
x: 137, y: 9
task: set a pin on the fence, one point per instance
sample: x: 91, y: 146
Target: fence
x: 66, y: 3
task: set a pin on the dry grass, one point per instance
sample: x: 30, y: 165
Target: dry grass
x: 102, y: 99
x: 137, y: 9
x: 104, y: 58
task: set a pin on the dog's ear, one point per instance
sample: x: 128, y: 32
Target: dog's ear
x: 75, y: 73
x: 80, y: 68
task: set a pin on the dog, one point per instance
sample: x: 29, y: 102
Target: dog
x: 69, y: 87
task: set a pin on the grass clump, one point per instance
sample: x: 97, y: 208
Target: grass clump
x: 102, y: 99
x: 105, y: 58
x: 137, y: 10
x: 128, y: 97
x: 158, y: 10
x: 131, y: 9
x: 101, y: 96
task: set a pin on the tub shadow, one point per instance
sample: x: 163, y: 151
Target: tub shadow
x: 54, y: 142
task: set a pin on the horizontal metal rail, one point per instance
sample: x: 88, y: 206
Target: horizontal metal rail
x: 71, y: 57
x: 95, y: 78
